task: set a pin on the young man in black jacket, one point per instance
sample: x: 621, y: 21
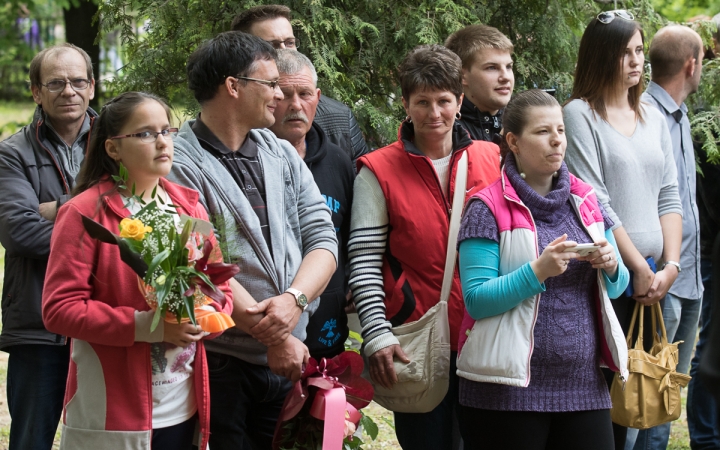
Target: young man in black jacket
x: 38, y: 166
x: 334, y: 175
x: 488, y: 78
x: 271, y: 23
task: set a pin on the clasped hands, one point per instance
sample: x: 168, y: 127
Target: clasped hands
x: 287, y: 355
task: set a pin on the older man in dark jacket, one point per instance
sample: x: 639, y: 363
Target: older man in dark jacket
x: 271, y: 23
x: 38, y: 166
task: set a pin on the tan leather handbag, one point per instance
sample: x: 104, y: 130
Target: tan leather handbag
x: 651, y: 395
x: 423, y: 383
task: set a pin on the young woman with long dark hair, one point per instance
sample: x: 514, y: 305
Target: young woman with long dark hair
x: 623, y: 149
x: 128, y: 387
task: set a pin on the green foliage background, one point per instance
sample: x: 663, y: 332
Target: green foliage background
x: 356, y: 46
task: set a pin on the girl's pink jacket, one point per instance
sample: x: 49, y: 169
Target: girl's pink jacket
x: 91, y: 296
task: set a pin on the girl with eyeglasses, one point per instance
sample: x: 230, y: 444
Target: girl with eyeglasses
x: 128, y: 387
x: 623, y: 149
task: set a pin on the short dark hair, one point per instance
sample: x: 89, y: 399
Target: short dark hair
x: 430, y: 67
x: 228, y: 54
x: 598, y: 70
x: 37, y: 61
x: 514, y: 119
x: 466, y: 42
x: 113, y: 116
x: 671, y: 47
x: 245, y: 20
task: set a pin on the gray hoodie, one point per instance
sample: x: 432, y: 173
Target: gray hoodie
x: 299, y: 222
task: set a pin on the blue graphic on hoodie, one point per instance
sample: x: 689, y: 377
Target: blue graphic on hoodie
x: 331, y: 337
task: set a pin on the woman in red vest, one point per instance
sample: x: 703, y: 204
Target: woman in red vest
x: 400, y: 223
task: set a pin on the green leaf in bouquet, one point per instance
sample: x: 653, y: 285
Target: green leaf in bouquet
x: 162, y: 202
x: 190, y: 308
x: 159, y: 258
x: 369, y: 425
x: 132, y: 191
x: 154, y: 192
x: 156, y: 319
x: 123, y: 172
x: 352, y: 444
x: 162, y: 291
x: 187, y: 228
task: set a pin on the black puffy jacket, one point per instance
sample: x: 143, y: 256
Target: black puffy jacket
x: 30, y: 174
x: 341, y: 127
x: 482, y: 126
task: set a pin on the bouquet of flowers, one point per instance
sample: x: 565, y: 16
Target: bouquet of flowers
x: 323, y: 409
x: 177, y: 265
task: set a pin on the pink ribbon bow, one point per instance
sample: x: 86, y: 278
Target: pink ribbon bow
x: 339, y: 392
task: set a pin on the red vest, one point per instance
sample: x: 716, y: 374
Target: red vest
x: 419, y: 216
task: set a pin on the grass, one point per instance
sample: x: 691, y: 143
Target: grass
x: 13, y: 116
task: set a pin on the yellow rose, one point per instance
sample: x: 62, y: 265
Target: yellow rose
x: 133, y: 229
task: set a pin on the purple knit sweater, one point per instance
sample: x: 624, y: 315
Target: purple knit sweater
x: 564, y: 368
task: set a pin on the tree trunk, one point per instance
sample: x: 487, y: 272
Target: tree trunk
x: 81, y: 31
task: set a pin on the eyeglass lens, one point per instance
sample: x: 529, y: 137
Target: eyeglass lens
x: 59, y: 85
x: 150, y: 136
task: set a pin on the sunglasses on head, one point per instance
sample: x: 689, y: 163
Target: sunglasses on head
x: 608, y: 16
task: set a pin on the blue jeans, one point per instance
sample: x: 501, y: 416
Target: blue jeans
x: 702, y: 408
x: 245, y: 403
x: 434, y: 430
x: 36, y: 379
x: 681, y: 320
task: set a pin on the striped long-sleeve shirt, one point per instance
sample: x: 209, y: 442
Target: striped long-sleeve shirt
x: 366, y: 248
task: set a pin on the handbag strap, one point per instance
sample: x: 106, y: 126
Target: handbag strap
x: 455, y: 213
x: 663, y: 332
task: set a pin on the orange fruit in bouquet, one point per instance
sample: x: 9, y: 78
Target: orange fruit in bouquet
x: 209, y: 320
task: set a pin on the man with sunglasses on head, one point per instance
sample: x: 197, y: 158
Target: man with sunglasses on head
x: 271, y: 23
x: 271, y: 221
x: 38, y: 166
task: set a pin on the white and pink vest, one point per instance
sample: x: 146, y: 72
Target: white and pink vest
x: 498, y: 349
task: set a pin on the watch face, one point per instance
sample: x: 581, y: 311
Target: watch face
x: 302, y: 300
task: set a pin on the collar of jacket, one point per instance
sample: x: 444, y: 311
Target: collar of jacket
x: 471, y: 113
x: 184, y: 198
x: 406, y: 134
x: 38, y: 123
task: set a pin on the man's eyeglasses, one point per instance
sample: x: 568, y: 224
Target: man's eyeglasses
x: 150, y: 136
x: 271, y: 84
x: 608, y: 16
x: 78, y: 84
x: 288, y: 43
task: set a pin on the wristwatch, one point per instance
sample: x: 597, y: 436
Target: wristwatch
x: 300, y: 298
x: 673, y: 263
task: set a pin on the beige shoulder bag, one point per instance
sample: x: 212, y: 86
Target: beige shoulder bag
x: 423, y: 383
x: 651, y: 395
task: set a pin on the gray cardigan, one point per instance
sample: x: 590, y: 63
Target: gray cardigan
x: 298, y: 217
x: 635, y: 177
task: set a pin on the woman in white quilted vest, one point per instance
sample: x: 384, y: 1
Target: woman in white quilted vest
x: 538, y: 265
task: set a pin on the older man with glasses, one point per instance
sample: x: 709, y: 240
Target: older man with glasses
x: 38, y: 166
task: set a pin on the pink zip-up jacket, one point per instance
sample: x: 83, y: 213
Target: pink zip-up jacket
x: 498, y: 349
